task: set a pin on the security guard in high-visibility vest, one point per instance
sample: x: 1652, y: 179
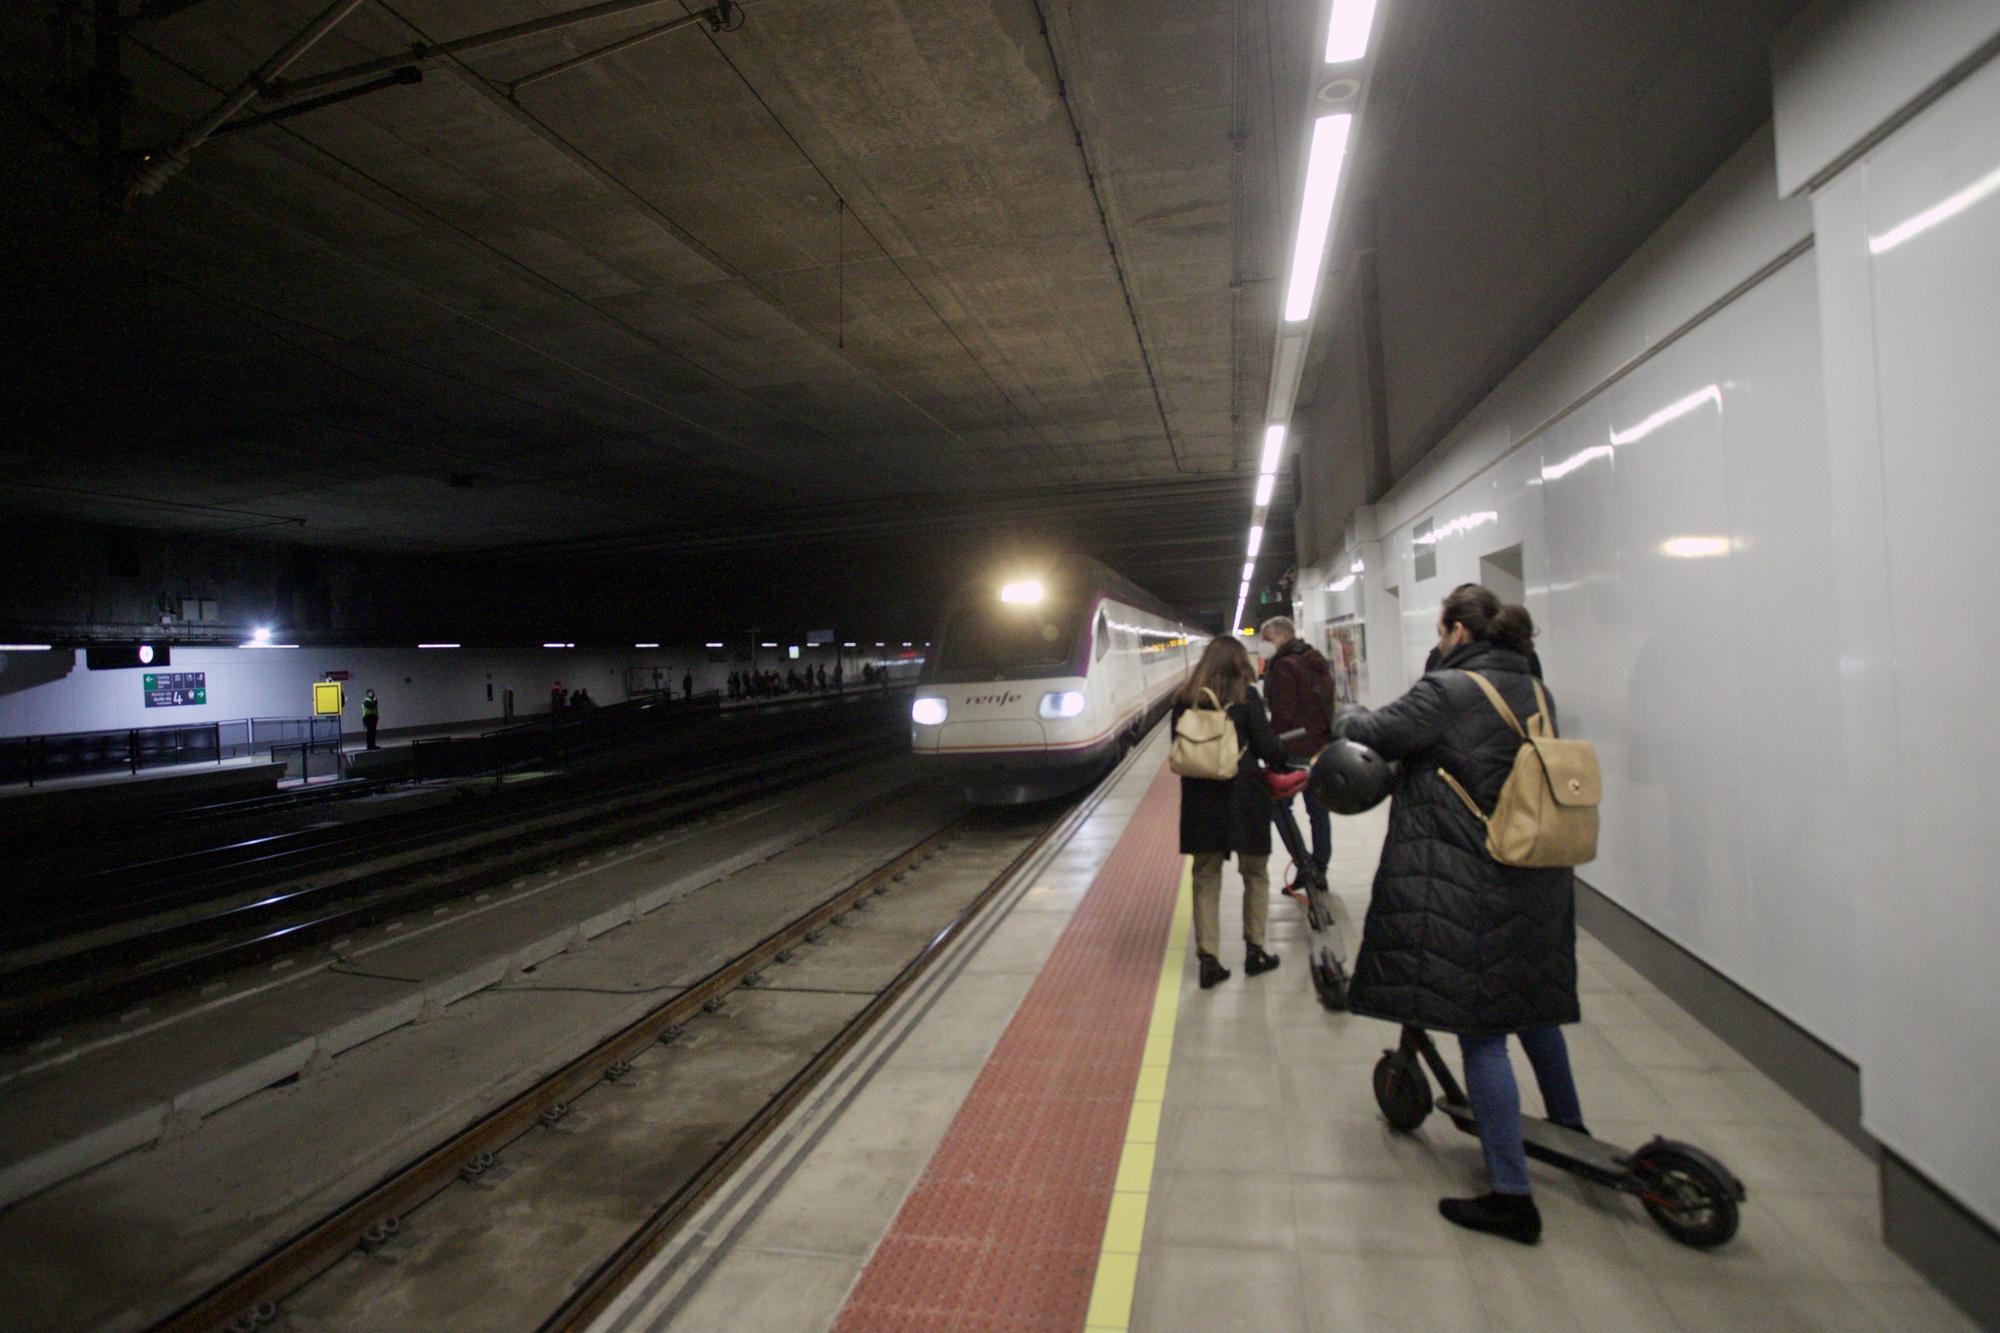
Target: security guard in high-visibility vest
x: 371, y: 715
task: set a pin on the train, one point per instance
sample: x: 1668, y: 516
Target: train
x: 1039, y: 681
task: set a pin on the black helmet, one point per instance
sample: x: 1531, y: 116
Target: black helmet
x: 1348, y: 778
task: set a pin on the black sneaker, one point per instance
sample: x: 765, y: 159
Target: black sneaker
x: 1513, y: 1216
x: 1256, y: 961
x: 1213, y: 972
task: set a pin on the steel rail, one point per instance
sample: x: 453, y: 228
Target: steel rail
x: 319, y: 1246
x: 590, y: 1297
x: 100, y: 979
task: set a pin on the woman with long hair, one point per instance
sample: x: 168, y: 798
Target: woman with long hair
x: 1233, y: 817
x: 1455, y: 941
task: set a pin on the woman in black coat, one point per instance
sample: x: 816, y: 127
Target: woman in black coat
x: 1454, y: 940
x: 1220, y: 818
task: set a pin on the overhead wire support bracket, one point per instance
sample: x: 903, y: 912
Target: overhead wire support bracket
x: 157, y: 168
x: 408, y: 74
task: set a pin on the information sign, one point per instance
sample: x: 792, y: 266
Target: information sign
x: 819, y: 636
x: 336, y: 675
x: 171, y: 689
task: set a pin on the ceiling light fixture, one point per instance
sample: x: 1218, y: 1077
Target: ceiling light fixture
x: 1329, y: 151
x: 1256, y: 539
x: 1249, y: 568
x: 1347, y: 31
x: 437, y: 645
x: 1274, y: 446
x: 1265, y: 484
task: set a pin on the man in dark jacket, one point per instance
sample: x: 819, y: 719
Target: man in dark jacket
x: 1298, y: 685
x: 1455, y: 941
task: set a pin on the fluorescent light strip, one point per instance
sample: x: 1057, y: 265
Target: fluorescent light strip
x: 1942, y: 211
x: 1249, y: 568
x: 1274, y: 447
x: 711, y: 645
x: 437, y: 645
x: 1256, y: 539
x: 24, y: 647
x: 558, y: 645
x: 645, y: 645
x: 1329, y: 150
x: 1347, y: 32
x: 1264, y: 485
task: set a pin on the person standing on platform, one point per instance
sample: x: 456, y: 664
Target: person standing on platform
x: 558, y: 699
x: 1455, y: 941
x: 687, y: 684
x: 822, y: 678
x: 837, y: 673
x: 371, y: 716
x: 1298, y: 684
x: 1220, y: 818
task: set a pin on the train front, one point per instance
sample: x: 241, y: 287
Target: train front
x: 1003, y: 710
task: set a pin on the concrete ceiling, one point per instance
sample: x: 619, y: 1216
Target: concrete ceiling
x: 861, y: 266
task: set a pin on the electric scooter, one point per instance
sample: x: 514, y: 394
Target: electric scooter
x: 1693, y: 1197
x: 1328, y: 962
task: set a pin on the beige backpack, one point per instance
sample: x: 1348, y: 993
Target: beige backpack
x: 1205, y: 744
x: 1547, y: 812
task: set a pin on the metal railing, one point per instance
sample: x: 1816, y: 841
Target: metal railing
x: 33, y: 759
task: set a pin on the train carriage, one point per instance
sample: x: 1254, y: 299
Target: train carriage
x: 1036, y: 684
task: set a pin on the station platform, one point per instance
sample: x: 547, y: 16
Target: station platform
x: 1056, y: 1129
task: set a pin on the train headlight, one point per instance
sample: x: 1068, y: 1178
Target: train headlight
x: 1061, y: 704
x: 928, y: 711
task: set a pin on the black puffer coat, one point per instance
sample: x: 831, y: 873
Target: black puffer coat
x: 1233, y: 816
x: 1455, y: 941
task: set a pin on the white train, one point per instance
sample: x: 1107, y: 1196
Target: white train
x: 1035, y: 684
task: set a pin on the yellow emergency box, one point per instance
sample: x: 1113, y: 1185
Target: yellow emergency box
x: 328, y: 698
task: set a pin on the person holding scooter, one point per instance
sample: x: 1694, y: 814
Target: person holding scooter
x: 1455, y: 941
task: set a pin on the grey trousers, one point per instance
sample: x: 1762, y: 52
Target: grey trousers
x: 1208, y: 899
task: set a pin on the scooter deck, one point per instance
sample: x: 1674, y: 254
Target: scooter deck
x: 1557, y: 1145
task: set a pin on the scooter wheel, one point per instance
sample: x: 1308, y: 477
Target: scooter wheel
x: 1402, y: 1091
x: 1330, y: 983
x: 1686, y: 1198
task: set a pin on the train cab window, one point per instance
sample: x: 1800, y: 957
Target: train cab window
x: 983, y: 641
x: 1101, y: 637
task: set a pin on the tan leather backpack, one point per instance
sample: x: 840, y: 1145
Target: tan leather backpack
x: 1205, y: 744
x: 1547, y: 812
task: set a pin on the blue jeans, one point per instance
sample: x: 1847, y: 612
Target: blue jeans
x: 1496, y: 1102
x: 1321, y: 824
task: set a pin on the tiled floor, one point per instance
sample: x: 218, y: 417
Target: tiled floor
x: 1282, y: 1201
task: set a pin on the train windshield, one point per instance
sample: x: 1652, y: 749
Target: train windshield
x: 993, y: 640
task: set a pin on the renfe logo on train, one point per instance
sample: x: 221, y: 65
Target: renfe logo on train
x: 1009, y: 697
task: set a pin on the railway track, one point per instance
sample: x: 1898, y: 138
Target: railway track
x: 317, y: 1263
x: 182, y: 929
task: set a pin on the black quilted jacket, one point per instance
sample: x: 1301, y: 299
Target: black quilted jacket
x: 1454, y: 940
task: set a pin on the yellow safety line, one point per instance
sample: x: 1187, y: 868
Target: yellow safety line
x: 1125, y: 1225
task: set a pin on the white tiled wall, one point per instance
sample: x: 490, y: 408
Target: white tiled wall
x: 1667, y: 483
x: 1910, y: 240
x: 1758, y: 537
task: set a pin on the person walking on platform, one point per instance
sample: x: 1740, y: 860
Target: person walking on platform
x: 1220, y: 818
x: 1298, y: 684
x: 371, y: 716
x: 1454, y: 940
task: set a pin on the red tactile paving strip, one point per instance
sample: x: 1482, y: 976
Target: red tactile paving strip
x: 1002, y: 1230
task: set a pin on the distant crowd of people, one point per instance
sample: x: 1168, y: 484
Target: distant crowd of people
x: 812, y: 680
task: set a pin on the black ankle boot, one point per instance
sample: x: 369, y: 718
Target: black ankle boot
x: 1212, y: 970
x: 1511, y: 1215
x: 1256, y: 961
